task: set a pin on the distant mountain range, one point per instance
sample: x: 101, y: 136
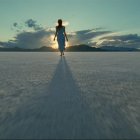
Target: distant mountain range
x: 76, y: 48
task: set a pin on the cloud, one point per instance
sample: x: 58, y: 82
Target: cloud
x: 15, y: 24
x: 17, y: 27
x: 86, y: 36
x: 65, y: 23
x: 9, y: 43
x: 40, y: 36
x: 30, y: 25
x: 34, y: 39
x: 129, y: 37
x: 129, y: 40
x: 33, y: 24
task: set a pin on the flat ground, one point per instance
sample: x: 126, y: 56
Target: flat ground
x: 79, y: 96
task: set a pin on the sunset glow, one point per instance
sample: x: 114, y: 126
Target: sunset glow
x: 54, y: 43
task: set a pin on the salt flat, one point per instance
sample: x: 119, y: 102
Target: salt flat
x: 80, y: 96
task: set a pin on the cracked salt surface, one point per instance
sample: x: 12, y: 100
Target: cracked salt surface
x: 79, y: 96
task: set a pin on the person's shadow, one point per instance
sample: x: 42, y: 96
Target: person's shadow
x: 59, y: 114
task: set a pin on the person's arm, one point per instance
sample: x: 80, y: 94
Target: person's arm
x: 55, y: 34
x: 65, y: 34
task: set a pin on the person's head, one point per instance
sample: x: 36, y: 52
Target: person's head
x: 60, y: 22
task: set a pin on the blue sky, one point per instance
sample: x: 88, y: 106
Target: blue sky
x: 114, y: 15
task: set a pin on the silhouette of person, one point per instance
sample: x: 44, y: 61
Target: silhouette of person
x: 61, y: 35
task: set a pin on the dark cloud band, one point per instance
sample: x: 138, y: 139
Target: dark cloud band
x: 42, y: 37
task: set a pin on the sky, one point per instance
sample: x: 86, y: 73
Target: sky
x: 117, y: 16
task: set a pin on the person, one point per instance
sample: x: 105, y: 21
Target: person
x: 61, y: 36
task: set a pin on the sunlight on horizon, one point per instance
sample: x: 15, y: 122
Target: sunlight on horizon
x: 54, y: 43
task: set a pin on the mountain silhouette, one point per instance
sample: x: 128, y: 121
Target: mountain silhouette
x: 75, y: 48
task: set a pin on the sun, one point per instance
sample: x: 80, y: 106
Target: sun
x: 55, y: 44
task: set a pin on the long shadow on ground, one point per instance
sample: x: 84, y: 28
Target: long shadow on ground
x: 61, y: 113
